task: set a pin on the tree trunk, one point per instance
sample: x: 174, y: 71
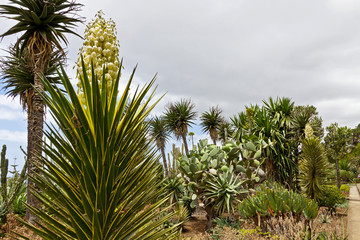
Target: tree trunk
x: 164, y: 161
x: 35, y: 134
x: 185, y: 143
x: 210, y: 214
x: 337, y: 172
x: 270, y: 168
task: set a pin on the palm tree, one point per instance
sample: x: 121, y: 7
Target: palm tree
x: 160, y: 133
x: 43, y: 24
x: 100, y: 179
x: 179, y: 117
x: 211, y: 121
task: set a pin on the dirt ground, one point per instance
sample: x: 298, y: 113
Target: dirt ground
x: 194, y: 229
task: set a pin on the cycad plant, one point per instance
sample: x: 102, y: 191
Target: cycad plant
x: 313, y: 165
x: 100, y: 176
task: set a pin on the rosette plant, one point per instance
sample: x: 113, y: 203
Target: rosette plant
x: 100, y: 179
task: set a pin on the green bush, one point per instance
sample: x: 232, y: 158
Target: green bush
x: 345, y: 188
x: 332, y: 198
x: 347, y: 176
x: 273, y: 200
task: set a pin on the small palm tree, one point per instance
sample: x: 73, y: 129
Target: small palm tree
x: 43, y: 24
x: 161, y: 134
x: 179, y: 117
x: 211, y: 121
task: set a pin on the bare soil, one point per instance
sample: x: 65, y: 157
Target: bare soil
x: 194, y: 229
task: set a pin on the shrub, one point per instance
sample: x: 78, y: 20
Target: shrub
x: 346, y: 176
x: 332, y: 197
x: 345, y: 188
x: 273, y: 200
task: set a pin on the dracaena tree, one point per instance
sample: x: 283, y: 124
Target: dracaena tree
x: 211, y: 121
x: 161, y: 134
x: 43, y: 25
x: 179, y: 116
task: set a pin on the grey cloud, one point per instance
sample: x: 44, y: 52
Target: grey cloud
x: 236, y: 53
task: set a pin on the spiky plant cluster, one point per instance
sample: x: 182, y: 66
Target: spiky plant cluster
x: 100, y: 49
x: 313, y: 165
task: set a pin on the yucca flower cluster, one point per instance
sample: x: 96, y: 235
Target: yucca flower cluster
x: 309, y: 132
x: 100, y: 48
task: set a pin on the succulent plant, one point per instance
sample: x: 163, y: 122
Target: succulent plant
x: 274, y: 200
x: 11, y: 191
x: 221, y: 174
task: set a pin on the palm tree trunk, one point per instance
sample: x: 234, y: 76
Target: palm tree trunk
x: 35, y: 134
x: 185, y: 143
x: 164, y: 161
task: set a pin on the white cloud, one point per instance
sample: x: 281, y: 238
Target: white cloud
x: 8, y: 114
x: 13, y: 136
x: 8, y: 102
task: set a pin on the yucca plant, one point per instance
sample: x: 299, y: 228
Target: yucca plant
x: 100, y: 177
x: 313, y: 166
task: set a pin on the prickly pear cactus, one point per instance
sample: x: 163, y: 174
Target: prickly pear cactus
x: 240, y: 158
x: 100, y: 48
x: 231, y: 169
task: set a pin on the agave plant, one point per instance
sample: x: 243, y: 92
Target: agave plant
x: 100, y: 176
x: 222, y: 191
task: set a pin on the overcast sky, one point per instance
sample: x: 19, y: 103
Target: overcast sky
x: 228, y: 53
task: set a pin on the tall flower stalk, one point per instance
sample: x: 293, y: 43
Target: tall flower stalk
x: 100, y: 49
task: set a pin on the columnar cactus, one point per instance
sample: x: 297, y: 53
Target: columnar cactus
x: 4, y: 169
x: 100, y: 49
x: 8, y: 197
